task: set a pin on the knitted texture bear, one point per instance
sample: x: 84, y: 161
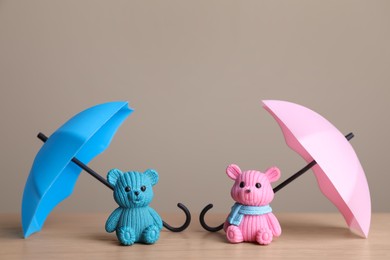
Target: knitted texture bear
x: 134, y: 221
x: 251, y: 218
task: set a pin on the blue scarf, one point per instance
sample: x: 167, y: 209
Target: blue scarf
x: 238, y: 211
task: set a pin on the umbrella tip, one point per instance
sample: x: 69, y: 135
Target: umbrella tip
x: 350, y: 136
x: 42, y: 137
x: 28, y: 232
x: 360, y: 233
x: 360, y: 228
x: 30, y: 226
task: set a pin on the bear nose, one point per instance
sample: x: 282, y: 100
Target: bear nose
x: 248, y: 191
x: 136, y: 193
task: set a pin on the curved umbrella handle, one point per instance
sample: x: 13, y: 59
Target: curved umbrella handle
x: 186, y: 223
x: 203, y: 223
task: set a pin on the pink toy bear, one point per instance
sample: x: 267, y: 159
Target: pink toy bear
x: 251, y: 217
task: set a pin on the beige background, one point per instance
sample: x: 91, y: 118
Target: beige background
x: 195, y: 72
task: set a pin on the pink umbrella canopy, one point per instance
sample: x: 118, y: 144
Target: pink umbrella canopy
x: 339, y: 173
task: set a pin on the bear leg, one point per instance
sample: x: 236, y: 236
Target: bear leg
x: 234, y: 234
x: 151, y: 234
x: 264, y: 236
x: 126, y: 235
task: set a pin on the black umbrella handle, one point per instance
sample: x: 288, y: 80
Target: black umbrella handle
x: 276, y: 189
x: 203, y: 223
x: 98, y: 177
x: 186, y: 223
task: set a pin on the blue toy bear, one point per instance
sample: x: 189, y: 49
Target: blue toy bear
x: 134, y: 221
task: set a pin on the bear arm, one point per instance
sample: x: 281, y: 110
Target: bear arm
x: 113, y: 220
x: 156, y: 218
x: 274, y: 225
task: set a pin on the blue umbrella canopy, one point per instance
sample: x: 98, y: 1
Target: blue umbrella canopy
x: 53, y: 175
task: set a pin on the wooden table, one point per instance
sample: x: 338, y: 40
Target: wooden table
x: 305, y: 236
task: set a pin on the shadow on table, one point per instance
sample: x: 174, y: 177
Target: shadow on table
x: 11, y: 232
x: 297, y: 229
x: 303, y: 229
x: 11, y: 229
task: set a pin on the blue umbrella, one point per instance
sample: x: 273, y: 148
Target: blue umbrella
x: 53, y: 175
x: 55, y: 169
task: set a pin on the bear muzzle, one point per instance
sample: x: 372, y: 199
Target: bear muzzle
x: 135, y: 197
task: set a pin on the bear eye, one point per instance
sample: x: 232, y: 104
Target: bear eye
x: 127, y: 188
x: 242, y: 184
x: 143, y: 188
x: 258, y: 185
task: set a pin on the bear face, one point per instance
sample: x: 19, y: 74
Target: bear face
x: 252, y: 188
x: 133, y: 189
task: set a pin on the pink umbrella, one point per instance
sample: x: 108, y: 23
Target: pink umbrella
x: 339, y: 173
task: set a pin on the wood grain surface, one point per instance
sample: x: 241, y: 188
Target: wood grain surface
x: 304, y: 236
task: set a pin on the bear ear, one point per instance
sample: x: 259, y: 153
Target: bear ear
x: 153, y: 176
x: 113, y: 175
x: 273, y: 174
x: 233, y: 171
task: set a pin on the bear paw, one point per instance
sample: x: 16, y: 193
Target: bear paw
x: 234, y: 235
x: 264, y: 236
x: 126, y: 236
x: 151, y: 234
